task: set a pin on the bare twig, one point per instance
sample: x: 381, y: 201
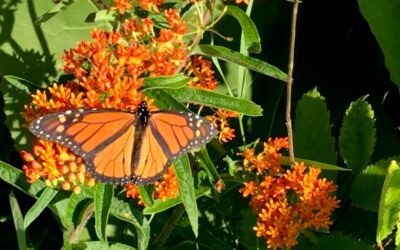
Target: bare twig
x: 290, y: 81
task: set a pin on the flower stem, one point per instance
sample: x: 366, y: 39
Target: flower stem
x: 169, y: 226
x: 87, y: 215
x: 290, y: 81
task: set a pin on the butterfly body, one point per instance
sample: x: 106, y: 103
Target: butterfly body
x: 125, y: 147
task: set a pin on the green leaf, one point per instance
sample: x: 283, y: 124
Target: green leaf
x: 215, y: 100
x: 102, y: 203
x: 160, y: 205
x: 389, y: 205
x: 163, y: 100
x: 124, y: 211
x: 62, y: 5
x: 15, y: 98
x: 383, y: 18
x: 285, y: 160
x: 367, y: 186
x: 44, y: 200
x: 108, y: 15
x: 229, y: 55
x: 250, y: 33
x: 397, y: 240
x: 312, y: 129
x: 17, y: 179
x: 18, y: 221
x: 166, y: 82
x: 357, y: 135
x: 146, y: 194
x: 22, y: 84
x: 100, y: 245
x: 343, y: 242
x: 74, y: 200
x: 207, y: 164
x: 183, y: 173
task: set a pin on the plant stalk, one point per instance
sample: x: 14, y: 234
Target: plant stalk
x: 290, y: 81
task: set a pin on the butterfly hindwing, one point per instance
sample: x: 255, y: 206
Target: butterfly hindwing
x: 168, y: 135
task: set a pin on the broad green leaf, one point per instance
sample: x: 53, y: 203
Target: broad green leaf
x: 102, y: 203
x: 249, y: 29
x: 285, y: 160
x: 337, y: 241
x: 215, y: 100
x: 251, y: 63
x: 163, y: 100
x: 125, y: 211
x: 383, y: 18
x: 397, y: 240
x: 44, y: 200
x: 312, y: 129
x: 34, y: 52
x: 15, y: 98
x: 367, y: 186
x: 18, y: 221
x: 100, y: 245
x: 60, y: 203
x: 17, y: 179
x: 146, y: 195
x: 183, y: 173
x: 389, y: 205
x: 357, y: 135
x: 22, y: 84
x: 102, y: 15
x: 62, y: 5
x: 162, y: 205
x: 166, y: 82
x: 74, y: 200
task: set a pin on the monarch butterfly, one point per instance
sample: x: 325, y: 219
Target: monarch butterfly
x: 125, y: 147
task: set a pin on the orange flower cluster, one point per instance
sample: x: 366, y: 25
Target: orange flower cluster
x: 267, y: 161
x: 220, y: 120
x: 123, y: 5
x: 286, y: 202
x: 166, y: 188
x: 57, y: 166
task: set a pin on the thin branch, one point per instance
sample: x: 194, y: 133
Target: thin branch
x: 290, y: 81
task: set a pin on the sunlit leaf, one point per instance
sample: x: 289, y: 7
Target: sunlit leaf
x: 389, y: 205
x: 240, y: 59
x: 44, y: 200
x: 183, y: 173
x: 102, y: 203
x: 18, y: 221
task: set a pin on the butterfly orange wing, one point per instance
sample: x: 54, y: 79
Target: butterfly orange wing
x: 104, y: 138
x: 168, y: 135
x: 107, y: 139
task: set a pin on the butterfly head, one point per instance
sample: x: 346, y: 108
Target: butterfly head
x: 143, y: 113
